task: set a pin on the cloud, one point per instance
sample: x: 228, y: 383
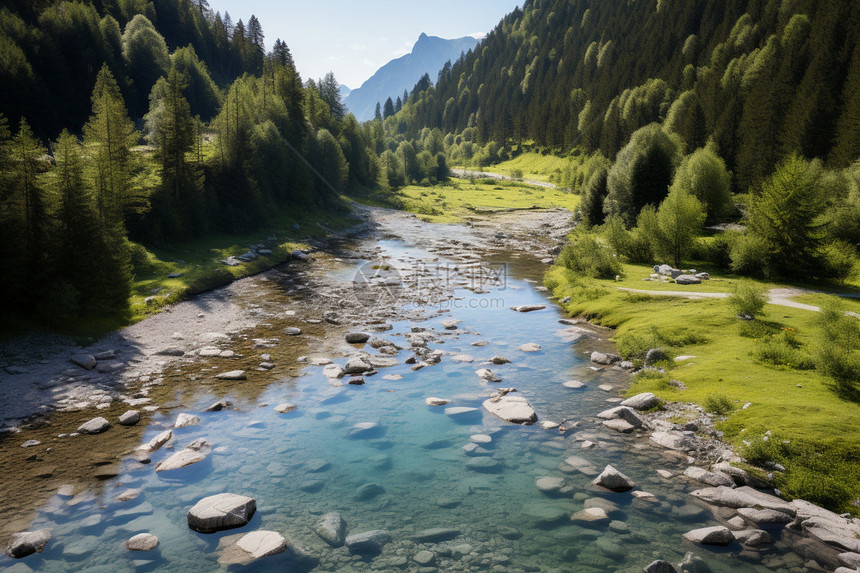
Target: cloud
x: 358, y: 48
x: 479, y: 35
x: 404, y: 49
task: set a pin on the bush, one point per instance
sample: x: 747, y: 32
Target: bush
x: 750, y: 255
x: 839, y: 261
x: 783, y: 350
x: 837, y: 354
x: 718, y: 404
x: 748, y: 298
x: 517, y: 174
x: 585, y: 255
x: 703, y: 174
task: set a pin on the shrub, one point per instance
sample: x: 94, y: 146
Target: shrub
x: 783, y: 350
x: 839, y: 261
x: 748, y: 298
x: 517, y: 174
x: 837, y: 355
x: 750, y: 255
x: 703, y: 174
x: 585, y: 255
x: 718, y: 404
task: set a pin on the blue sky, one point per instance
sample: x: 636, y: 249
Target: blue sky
x: 353, y: 38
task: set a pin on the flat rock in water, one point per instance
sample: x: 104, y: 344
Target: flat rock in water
x: 483, y: 464
x: 753, y: 537
x: 357, y: 337
x: 463, y: 358
x: 499, y: 360
x: 644, y: 401
x: 184, y: 420
x: 364, y: 429
x: 528, y: 307
x: 180, y: 459
x: 332, y: 529
x: 838, y: 532
x: 460, y: 411
x: 129, y: 418
x: 142, y: 542
x: 717, y: 535
x: 94, y: 426
x: 232, y: 375
x: 85, y: 361
x: 530, y: 347
x: 369, y: 491
x: 155, y: 443
x: 432, y: 401
x: 850, y: 560
x: 436, y: 534
x: 285, y: 408
x: 220, y: 512
x: 510, y: 407
x: 28, y: 542
x: 332, y: 371
x: 710, y: 478
x: 613, y: 480
x: 590, y: 515
x: 259, y: 544
x: 487, y: 374
x: 550, y: 485
x: 574, y: 384
x: 368, y: 542
x: 623, y: 413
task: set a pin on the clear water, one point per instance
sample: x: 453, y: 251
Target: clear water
x: 303, y: 464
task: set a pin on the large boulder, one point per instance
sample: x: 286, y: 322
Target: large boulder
x: 717, y: 535
x: 129, y: 418
x: 514, y: 409
x: 94, y: 426
x: 357, y: 337
x: 368, y: 541
x: 688, y: 280
x: 332, y: 529
x: 641, y: 402
x: 839, y: 533
x: 28, y: 542
x: 220, y: 512
x: 613, y: 480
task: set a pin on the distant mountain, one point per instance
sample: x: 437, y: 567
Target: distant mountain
x: 428, y: 56
x: 344, y: 92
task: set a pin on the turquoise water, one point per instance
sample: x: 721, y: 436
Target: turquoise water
x: 303, y: 464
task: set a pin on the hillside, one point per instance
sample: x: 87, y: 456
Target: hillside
x: 428, y: 56
x: 760, y: 78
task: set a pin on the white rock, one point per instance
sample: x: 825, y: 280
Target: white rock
x: 158, y: 441
x: 180, y: 459
x: 511, y: 408
x: 259, y: 544
x: 717, y: 535
x: 574, y: 384
x: 28, y: 542
x: 432, y: 401
x: 530, y: 347
x: 332, y: 529
x: 590, y: 514
x: 232, y: 375
x: 670, y: 440
x: 644, y: 401
x: 129, y: 418
x: 710, y: 478
x: 142, y: 542
x: 285, y: 408
x: 184, y: 420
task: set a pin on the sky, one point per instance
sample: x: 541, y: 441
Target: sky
x: 353, y: 38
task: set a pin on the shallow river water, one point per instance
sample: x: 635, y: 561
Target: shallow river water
x: 301, y: 465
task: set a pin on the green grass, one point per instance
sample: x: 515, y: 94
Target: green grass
x: 457, y: 199
x: 544, y: 168
x: 798, y: 407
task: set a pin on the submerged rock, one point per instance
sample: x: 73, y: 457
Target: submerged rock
x: 530, y: 347
x: 368, y: 542
x: 220, y: 512
x: 184, y: 420
x: 253, y: 546
x: 660, y: 566
x: 285, y: 408
x: 332, y: 529
x: 180, y: 459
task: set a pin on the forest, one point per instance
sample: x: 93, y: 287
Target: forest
x: 172, y: 123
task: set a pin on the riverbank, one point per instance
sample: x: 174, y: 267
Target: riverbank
x: 769, y: 406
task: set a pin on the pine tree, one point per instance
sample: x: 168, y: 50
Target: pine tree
x: 388, y: 109
x: 377, y: 114
x: 329, y: 90
x: 109, y: 135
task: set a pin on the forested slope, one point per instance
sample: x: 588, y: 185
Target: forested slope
x: 760, y: 77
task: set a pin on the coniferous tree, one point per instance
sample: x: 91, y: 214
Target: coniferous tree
x: 109, y: 134
x: 388, y: 109
x: 377, y: 114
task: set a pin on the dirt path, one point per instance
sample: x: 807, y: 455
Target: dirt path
x: 782, y: 296
x: 463, y: 173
